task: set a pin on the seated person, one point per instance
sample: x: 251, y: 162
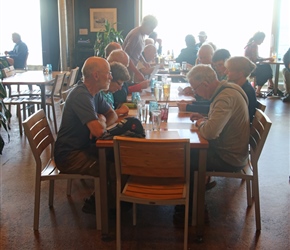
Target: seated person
x: 110, y: 47
x: 157, y: 42
x: 218, y: 60
x: 205, y: 54
x: 149, y: 54
x: 149, y: 41
x: 189, y: 53
x: 202, y: 38
x: 238, y: 69
x: 263, y: 72
x: 17, y: 56
x: 120, y: 75
x: 228, y: 146
x: 120, y: 96
x: 82, y: 120
x: 286, y: 76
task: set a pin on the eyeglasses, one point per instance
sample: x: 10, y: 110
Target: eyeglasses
x: 108, y: 73
x: 194, y: 89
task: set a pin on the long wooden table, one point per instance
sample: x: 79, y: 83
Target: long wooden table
x: 181, y: 123
x: 34, y: 77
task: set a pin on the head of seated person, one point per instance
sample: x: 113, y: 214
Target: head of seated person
x: 120, y: 75
x: 120, y: 56
x: 110, y: 47
x: 149, y: 41
x: 190, y: 41
x: 149, y: 53
x: 218, y: 60
x: 204, y: 54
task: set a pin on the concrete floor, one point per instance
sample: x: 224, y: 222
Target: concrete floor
x: 231, y: 224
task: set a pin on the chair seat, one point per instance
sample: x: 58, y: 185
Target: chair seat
x: 155, y: 188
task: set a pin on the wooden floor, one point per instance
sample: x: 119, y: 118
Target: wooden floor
x: 231, y: 224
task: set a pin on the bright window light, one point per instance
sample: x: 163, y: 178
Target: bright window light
x: 229, y: 24
x: 22, y: 17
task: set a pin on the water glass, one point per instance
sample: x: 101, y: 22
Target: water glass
x: 136, y: 97
x: 158, y: 91
x: 144, y: 113
x: 156, y: 120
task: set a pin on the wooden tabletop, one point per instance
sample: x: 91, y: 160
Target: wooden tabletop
x: 177, y: 121
x: 33, y: 77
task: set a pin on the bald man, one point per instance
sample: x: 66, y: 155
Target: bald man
x: 75, y: 151
x: 204, y: 54
x: 110, y: 47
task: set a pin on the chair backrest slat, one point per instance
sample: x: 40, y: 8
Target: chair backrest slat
x: 259, y: 131
x: 57, y: 85
x: 73, y: 76
x: 38, y: 133
x: 152, y: 158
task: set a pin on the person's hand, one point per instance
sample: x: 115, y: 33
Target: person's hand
x: 122, y: 111
x: 182, y: 105
x: 196, y: 116
x: 147, y: 65
x: 187, y: 91
x: 145, y: 84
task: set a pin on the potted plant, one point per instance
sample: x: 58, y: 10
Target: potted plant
x: 103, y: 38
x: 5, y: 115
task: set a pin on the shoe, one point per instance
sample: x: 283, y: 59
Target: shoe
x: 89, y: 206
x: 280, y: 93
x: 286, y: 98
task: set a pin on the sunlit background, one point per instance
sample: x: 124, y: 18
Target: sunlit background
x: 229, y: 24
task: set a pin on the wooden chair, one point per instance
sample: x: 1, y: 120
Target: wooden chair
x: 40, y: 138
x: 258, y: 135
x: 159, y: 175
x: 261, y: 106
x: 54, y: 98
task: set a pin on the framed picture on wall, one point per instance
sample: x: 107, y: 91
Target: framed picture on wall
x: 99, y: 16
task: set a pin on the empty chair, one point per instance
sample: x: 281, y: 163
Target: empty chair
x: 73, y: 77
x: 54, y: 98
x: 159, y: 175
x: 261, y: 106
x: 40, y: 138
x: 258, y: 135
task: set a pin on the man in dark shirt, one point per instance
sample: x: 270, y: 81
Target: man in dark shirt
x: 18, y: 54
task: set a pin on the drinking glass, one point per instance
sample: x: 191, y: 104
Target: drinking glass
x: 164, y: 112
x: 166, y: 90
x: 158, y: 91
x: 156, y: 120
x: 144, y: 113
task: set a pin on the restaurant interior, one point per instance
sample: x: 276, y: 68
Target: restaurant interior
x: 228, y: 222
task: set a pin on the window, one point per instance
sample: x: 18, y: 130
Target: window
x: 22, y: 17
x: 229, y: 24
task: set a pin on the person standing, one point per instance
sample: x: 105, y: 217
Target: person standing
x: 263, y: 72
x: 134, y: 44
x: 202, y: 38
x: 17, y: 56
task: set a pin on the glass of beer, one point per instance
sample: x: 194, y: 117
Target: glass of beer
x: 166, y: 90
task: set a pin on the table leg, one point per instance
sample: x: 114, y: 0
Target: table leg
x: 277, y: 69
x: 43, y: 101
x: 104, y: 195
x: 201, y: 192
